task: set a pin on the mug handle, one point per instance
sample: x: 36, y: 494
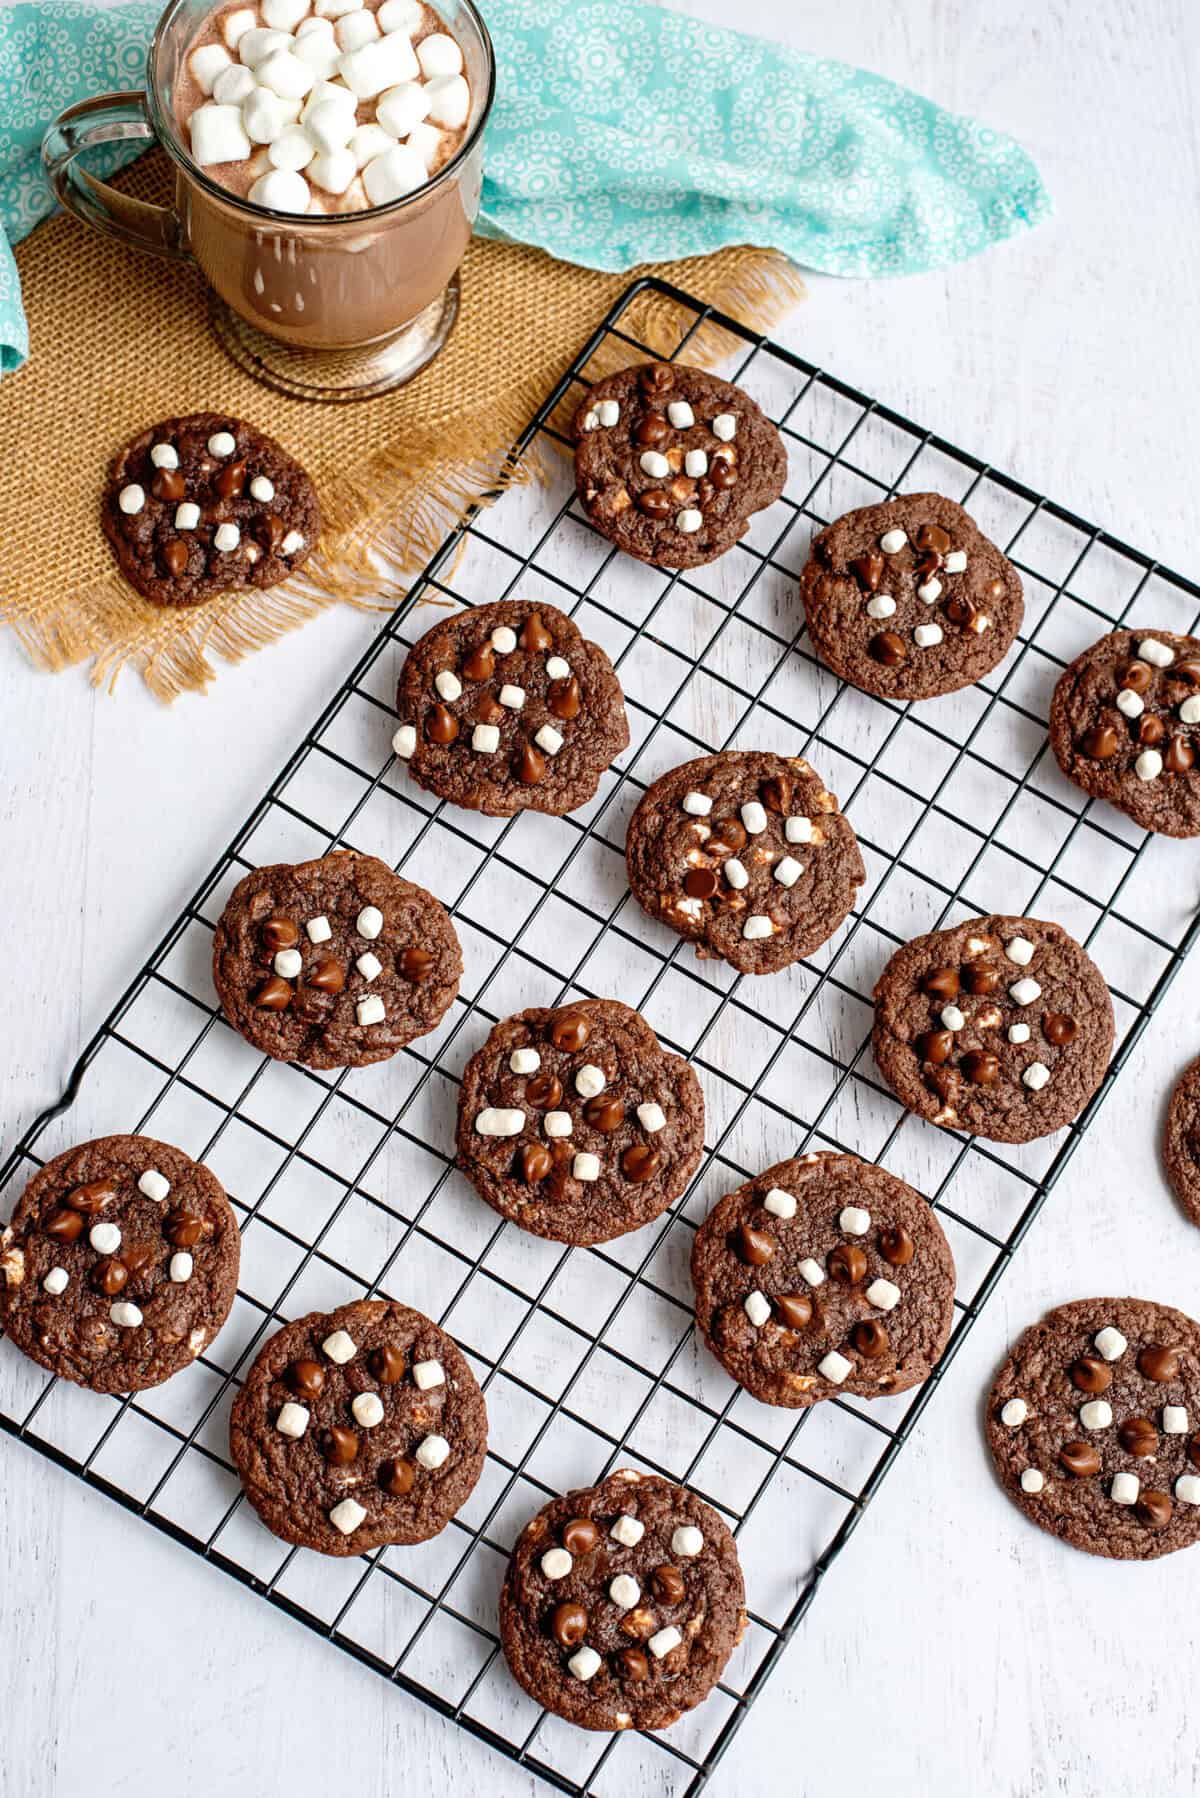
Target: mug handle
x: 108, y: 119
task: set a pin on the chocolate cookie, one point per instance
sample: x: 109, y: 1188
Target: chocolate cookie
x: 359, y: 1427
x: 120, y: 1264
x: 909, y: 599
x: 1000, y: 1026
x: 622, y: 1603
x: 336, y: 962
x: 576, y: 1124
x: 1124, y: 726
x: 506, y: 708
x: 824, y: 1275
x: 1094, y: 1426
x: 1181, y: 1141
x: 197, y: 505
x: 746, y: 855
x: 671, y: 463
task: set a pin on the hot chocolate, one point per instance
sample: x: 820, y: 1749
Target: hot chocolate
x: 336, y: 107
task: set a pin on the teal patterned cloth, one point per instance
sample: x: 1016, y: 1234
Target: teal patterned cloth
x: 621, y: 134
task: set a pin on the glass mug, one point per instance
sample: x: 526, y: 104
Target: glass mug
x: 330, y: 306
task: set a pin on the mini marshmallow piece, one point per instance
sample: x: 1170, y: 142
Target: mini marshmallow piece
x: 697, y: 804
x: 754, y: 817
x: 524, y: 1061
x: 1024, y: 992
x: 1014, y: 1413
x: 381, y: 64
x: 549, y: 739
x: 426, y: 140
x: 1018, y: 1033
x: 584, y: 1662
x: 735, y: 873
x: 1111, y: 1343
x: 655, y: 464
x: 1189, y: 711
x: 687, y: 1541
x: 624, y: 1591
x: 153, y: 1185
x: 235, y: 25
x: 1130, y: 703
x: 319, y: 929
x: 283, y: 15
x: 1032, y: 1480
x: 331, y: 126
x: 496, y: 1120
x: 880, y: 605
x: 334, y: 9
x: 892, y: 542
x: 56, y: 1281
x: 287, y: 75
x: 264, y: 118
x: 366, y: 1408
x: 131, y: 498
x: 340, y: 1347
x: 1036, y: 1076
x: 780, y: 1203
x: 396, y: 172
x: 1174, y: 1420
x: 438, y: 54
x: 757, y: 927
x: 586, y: 1166
x: 883, y: 1294
x: 556, y: 1563
x: 321, y: 52
x: 930, y: 590
x: 428, y: 1374
x: 927, y: 635
x: 664, y: 1641
x: 952, y: 1018
x: 164, y: 455
x: 354, y: 29
x: 187, y: 516
x: 260, y: 486
x: 724, y: 426
x: 291, y: 543
x: 798, y: 830
x: 370, y: 1010
x: 485, y: 739
x: 433, y: 1452
x: 368, y: 142
x: 1125, y: 1488
x: 557, y: 1123
x: 1149, y: 765
x: 681, y: 415
x: 227, y: 538
x: 256, y: 45
x: 292, y: 1420
x: 369, y: 922
x: 1187, y: 1487
x: 695, y: 463
x: 788, y: 870
x: 512, y: 697
x: 328, y: 93
x: 206, y: 64
x: 369, y: 966
x: 627, y: 1530
x: 689, y: 521
x: 1020, y: 950
x: 125, y: 1315
x: 288, y: 963
x: 293, y: 149
x: 834, y: 1367
x: 448, y: 684
x: 854, y: 1220
x: 105, y: 1238
x: 400, y: 15
x: 450, y: 105
x: 282, y: 190
x: 333, y: 171
x: 558, y: 669
x: 590, y: 1080
x: 757, y: 1308
x: 504, y: 640
x: 180, y: 1268
x: 1159, y: 655
x: 346, y: 1516
x: 1096, y: 1414
x: 608, y: 411
x: 956, y: 561
x: 812, y: 1271
x: 314, y: 24
x: 651, y: 1117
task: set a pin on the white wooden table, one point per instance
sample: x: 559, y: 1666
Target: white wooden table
x: 954, y: 1647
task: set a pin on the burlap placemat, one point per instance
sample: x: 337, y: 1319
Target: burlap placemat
x: 120, y: 339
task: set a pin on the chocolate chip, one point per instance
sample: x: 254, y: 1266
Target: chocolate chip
x: 668, y: 1585
x: 1151, y: 730
x: 580, y: 1536
x: 700, y: 883
x: 564, y: 698
x: 754, y: 1247
x: 634, y: 1664
x: 441, y: 726
x: 1100, y: 743
x: 481, y: 663
x: 416, y: 964
x: 604, y: 1113
x: 847, y: 1264
x: 932, y: 536
x: 339, y: 1446
x: 896, y: 1245
x: 569, y: 1031
x: 776, y: 794
x: 728, y: 836
x: 64, y: 1226
x: 230, y: 480
x: 652, y: 430
x: 91, y: 1198
x: 1158, y: 1363
x: 328, y: 976
x: 388, y: 1363
x: 109, y: 1276
x: 936, y: 1046
x: 979, y: 981
x: 868, y: 570
x: 1179, y: 757
x: 981, y: 1067
x: 274, y: 995
x: 640, y: 1163
x: 1187, y: 671
x: 927, y: 565
x: 869, y: 1337
x: 1080, y: 1459
x: 137, y: 1256
x: 1135, y: 676
x: 569, y: 1624
x: 656, y: 378
x: 1091, y: 1374
x: 534, y: 1162
x: 1138, y: 1437
x: 1193, y: 1449
x: 722, y: 473
x: 534, y: 634
x: 1058, y: 1028
x: 182, y: 1230
x: 795, y: 1309
x: 888, y: 649
x: 280, y: 933
x: 306, y: 1378
x: 655, y: 503
x: 175, y: 556
x: 960, y: 610
x: 941, y: 984
x: 1154, y: 1509
x: 168, y: 484
x: 397, y: 1477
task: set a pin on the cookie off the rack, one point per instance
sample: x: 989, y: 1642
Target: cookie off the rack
x: 824, y: 1275
x: 120, y: 1264
x: 1125, y: 726
x: 1094, y: 1427
x: 909, y: 599
x: 746, y: 854
x: 336, y: 963
x: 359, y: 1427
x: 1000, y: 1026
x: 506, y: 708
x: 576, y: 1124
x: 622, y: 1603
x: 1181, y: 1141
x: 197, y: 505
x: 671, y: 463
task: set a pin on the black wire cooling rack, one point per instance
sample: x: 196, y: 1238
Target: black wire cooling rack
x: 345, y: 1183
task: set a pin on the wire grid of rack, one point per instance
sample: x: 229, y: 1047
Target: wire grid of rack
x: 344, y: 1183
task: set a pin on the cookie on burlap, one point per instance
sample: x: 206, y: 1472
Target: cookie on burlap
x: 622, y: 1603
x: 120, y: 1263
